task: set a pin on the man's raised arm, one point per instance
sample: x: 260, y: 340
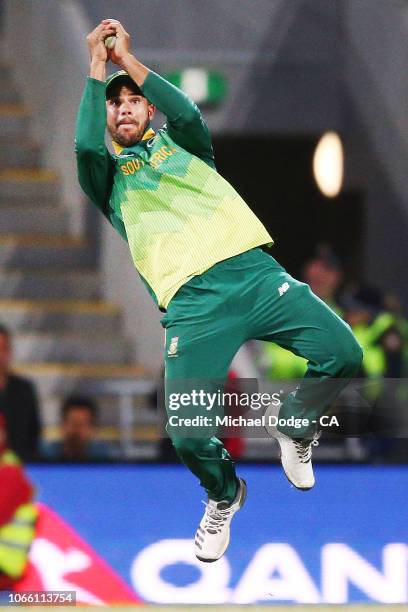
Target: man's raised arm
x: 95, y: 167
x: 184, y: 120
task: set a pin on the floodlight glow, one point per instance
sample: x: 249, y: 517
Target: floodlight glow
x: 194, y: 81
x: 328, y: 164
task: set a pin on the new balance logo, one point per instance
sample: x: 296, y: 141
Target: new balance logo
x: 172, y: 352
x: 283, y: 288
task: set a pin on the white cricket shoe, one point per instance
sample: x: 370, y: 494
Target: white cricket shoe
x: 213, y: 535
x: 296, y: 457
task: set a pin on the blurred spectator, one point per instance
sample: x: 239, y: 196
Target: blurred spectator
x: 78, y: 441
x: 380, y: 333
x: 324, y: 274
x: 17, y: 515
x: 18, y: 405
x: 383, y: 336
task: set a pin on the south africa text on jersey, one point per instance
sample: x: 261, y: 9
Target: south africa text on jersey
x: 156, y: 159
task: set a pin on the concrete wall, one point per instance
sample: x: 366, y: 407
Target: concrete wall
x: 376, y: 72
x: 44, y: 44
x: 376, y: 82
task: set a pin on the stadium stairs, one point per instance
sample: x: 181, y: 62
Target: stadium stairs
x: 66, y: 338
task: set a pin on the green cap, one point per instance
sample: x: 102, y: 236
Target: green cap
x: 121, y: 76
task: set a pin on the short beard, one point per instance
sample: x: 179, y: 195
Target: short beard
x: 128, y: 141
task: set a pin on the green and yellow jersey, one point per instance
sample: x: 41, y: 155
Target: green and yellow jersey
x: 163, y: 194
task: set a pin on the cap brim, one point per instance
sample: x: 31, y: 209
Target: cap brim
x: 121, y: 78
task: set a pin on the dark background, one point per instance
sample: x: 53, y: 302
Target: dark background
x: 275, y: 177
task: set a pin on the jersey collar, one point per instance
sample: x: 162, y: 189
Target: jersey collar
x: 149, y: 133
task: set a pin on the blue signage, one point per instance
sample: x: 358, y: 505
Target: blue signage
x: 344, y: 541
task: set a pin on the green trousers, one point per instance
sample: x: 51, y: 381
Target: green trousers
x: 250, y: 296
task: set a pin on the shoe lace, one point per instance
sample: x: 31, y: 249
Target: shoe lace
x: 215, y: 518
x: 304, y: 447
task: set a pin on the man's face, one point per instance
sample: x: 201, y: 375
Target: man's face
x: 78, y: 426
x: 323, y: 279
x: 5, y: 353
x: 128, y: 115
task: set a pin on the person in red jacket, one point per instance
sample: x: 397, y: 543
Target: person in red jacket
x: 17, y: 514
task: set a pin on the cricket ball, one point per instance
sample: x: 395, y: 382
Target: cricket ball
x: 110, y: 42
